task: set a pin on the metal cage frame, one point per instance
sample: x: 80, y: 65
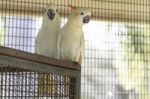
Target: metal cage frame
x: 11, y: 58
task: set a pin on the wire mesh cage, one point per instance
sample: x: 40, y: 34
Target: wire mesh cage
x: 27, y: 79
x: 117, y: 48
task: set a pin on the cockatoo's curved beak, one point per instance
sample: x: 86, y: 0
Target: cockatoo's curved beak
x: 86, y: 19
x: 51, y: 14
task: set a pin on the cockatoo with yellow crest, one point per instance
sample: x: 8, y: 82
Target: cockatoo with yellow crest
x: 71, y: 41
x: 46, y: 40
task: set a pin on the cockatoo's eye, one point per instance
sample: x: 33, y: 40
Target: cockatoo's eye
x: 82, y: 13
x: 56, y: 10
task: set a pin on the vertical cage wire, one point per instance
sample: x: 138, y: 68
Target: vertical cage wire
x: 116, y: 61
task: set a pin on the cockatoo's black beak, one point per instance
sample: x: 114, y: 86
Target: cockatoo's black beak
x: 86, y: 19
x: 51, y: 14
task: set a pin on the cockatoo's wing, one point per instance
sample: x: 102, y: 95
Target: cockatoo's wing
x: 59, y: 45
x: 82, y: 49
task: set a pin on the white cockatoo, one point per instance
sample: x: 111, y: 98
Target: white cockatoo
x: 46, y: 40
x: 70, y: 44
x: 46, y: 45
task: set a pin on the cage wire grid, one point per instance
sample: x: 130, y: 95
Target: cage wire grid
x: 117, y: 49
x: 26, y: 79
x: 26, y: 84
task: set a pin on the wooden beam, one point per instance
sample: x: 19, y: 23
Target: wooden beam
x: 38, y: 58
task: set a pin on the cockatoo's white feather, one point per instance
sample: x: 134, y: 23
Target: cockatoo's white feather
x: 46, y: 40
x: 71, y: 41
